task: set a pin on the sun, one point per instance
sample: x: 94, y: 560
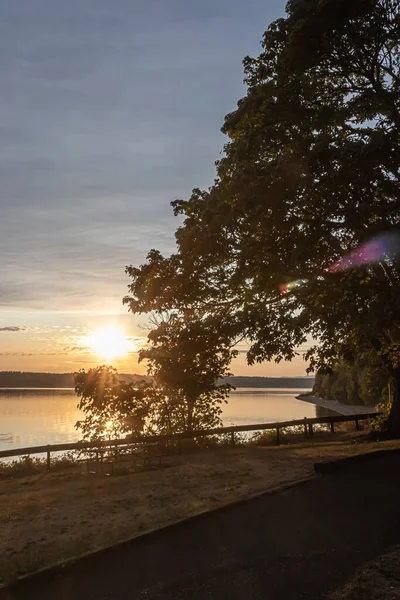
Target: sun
x: 109, y: 342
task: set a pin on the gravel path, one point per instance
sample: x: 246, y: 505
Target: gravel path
x: 295, y: 544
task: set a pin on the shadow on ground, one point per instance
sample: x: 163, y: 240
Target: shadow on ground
x: 298, y: 543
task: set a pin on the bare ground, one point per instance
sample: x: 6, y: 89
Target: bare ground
x: 48, y: 518
x: 379, y: 579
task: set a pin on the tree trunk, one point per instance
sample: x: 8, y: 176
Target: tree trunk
x: 190, y: 406
x: 393, y: 424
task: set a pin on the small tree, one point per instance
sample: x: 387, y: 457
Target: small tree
x: 187, y: 358
x: 113, y: 407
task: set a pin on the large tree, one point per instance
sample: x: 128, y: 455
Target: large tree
x: 310, y: 172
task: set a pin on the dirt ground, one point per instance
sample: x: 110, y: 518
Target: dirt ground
x: 377, y: 580
x: 51, y: 517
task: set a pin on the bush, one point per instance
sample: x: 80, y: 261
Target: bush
x: 379, y: 423
x: 28, y: 465
x: 25, y: 465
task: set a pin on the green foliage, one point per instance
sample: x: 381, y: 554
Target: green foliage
x: 186, y: 358
x: 113, y: 407
x: 379, y: 423
x: 309, y: 173
x: 362, y: 381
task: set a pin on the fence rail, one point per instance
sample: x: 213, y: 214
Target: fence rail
x: 82, y: 446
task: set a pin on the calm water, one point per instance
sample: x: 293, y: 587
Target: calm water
x: 37, y: 417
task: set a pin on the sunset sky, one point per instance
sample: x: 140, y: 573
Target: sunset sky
x: 109, y: 110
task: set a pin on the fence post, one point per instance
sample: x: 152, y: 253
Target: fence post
x: 310, y: 429
x: 305, y: 427
x: 48, y: 459
x: 232, y: 438
x: 277, y: 436
x: 332, y: 426
x: 357, y: 425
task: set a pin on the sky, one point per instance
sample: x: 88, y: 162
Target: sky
x: 108, y: 111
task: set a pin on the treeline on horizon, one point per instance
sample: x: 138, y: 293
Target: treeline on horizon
x: 271, y: 382
x: 66, y: 380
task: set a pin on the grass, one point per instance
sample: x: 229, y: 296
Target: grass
x: 28, y: 465
x: 46, y: 518
x: 377, y: 580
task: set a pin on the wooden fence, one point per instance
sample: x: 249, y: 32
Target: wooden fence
x: 306, y: 423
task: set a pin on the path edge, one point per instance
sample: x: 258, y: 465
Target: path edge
x: 61, y: 566
x: 339, y: 464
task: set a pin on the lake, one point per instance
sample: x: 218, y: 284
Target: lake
x: 34, y: 417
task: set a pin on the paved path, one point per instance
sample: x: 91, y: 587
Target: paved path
x: 338, y: 407
x: 292, y: 545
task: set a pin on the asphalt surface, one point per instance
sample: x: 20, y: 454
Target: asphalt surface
x: 298, y: 543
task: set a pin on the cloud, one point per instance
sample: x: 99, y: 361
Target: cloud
x: 14, y: 328
x: 104, y: 120
x: 17, y: 354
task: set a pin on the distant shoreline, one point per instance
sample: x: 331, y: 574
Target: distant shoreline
x: 20, y: 379
x: 28, y: 389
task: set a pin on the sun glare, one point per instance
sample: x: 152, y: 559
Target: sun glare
x: 109, y: 343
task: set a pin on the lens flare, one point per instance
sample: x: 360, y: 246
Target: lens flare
x: 381, y: 247
x: 373, y: 251
x: 288, y: 287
